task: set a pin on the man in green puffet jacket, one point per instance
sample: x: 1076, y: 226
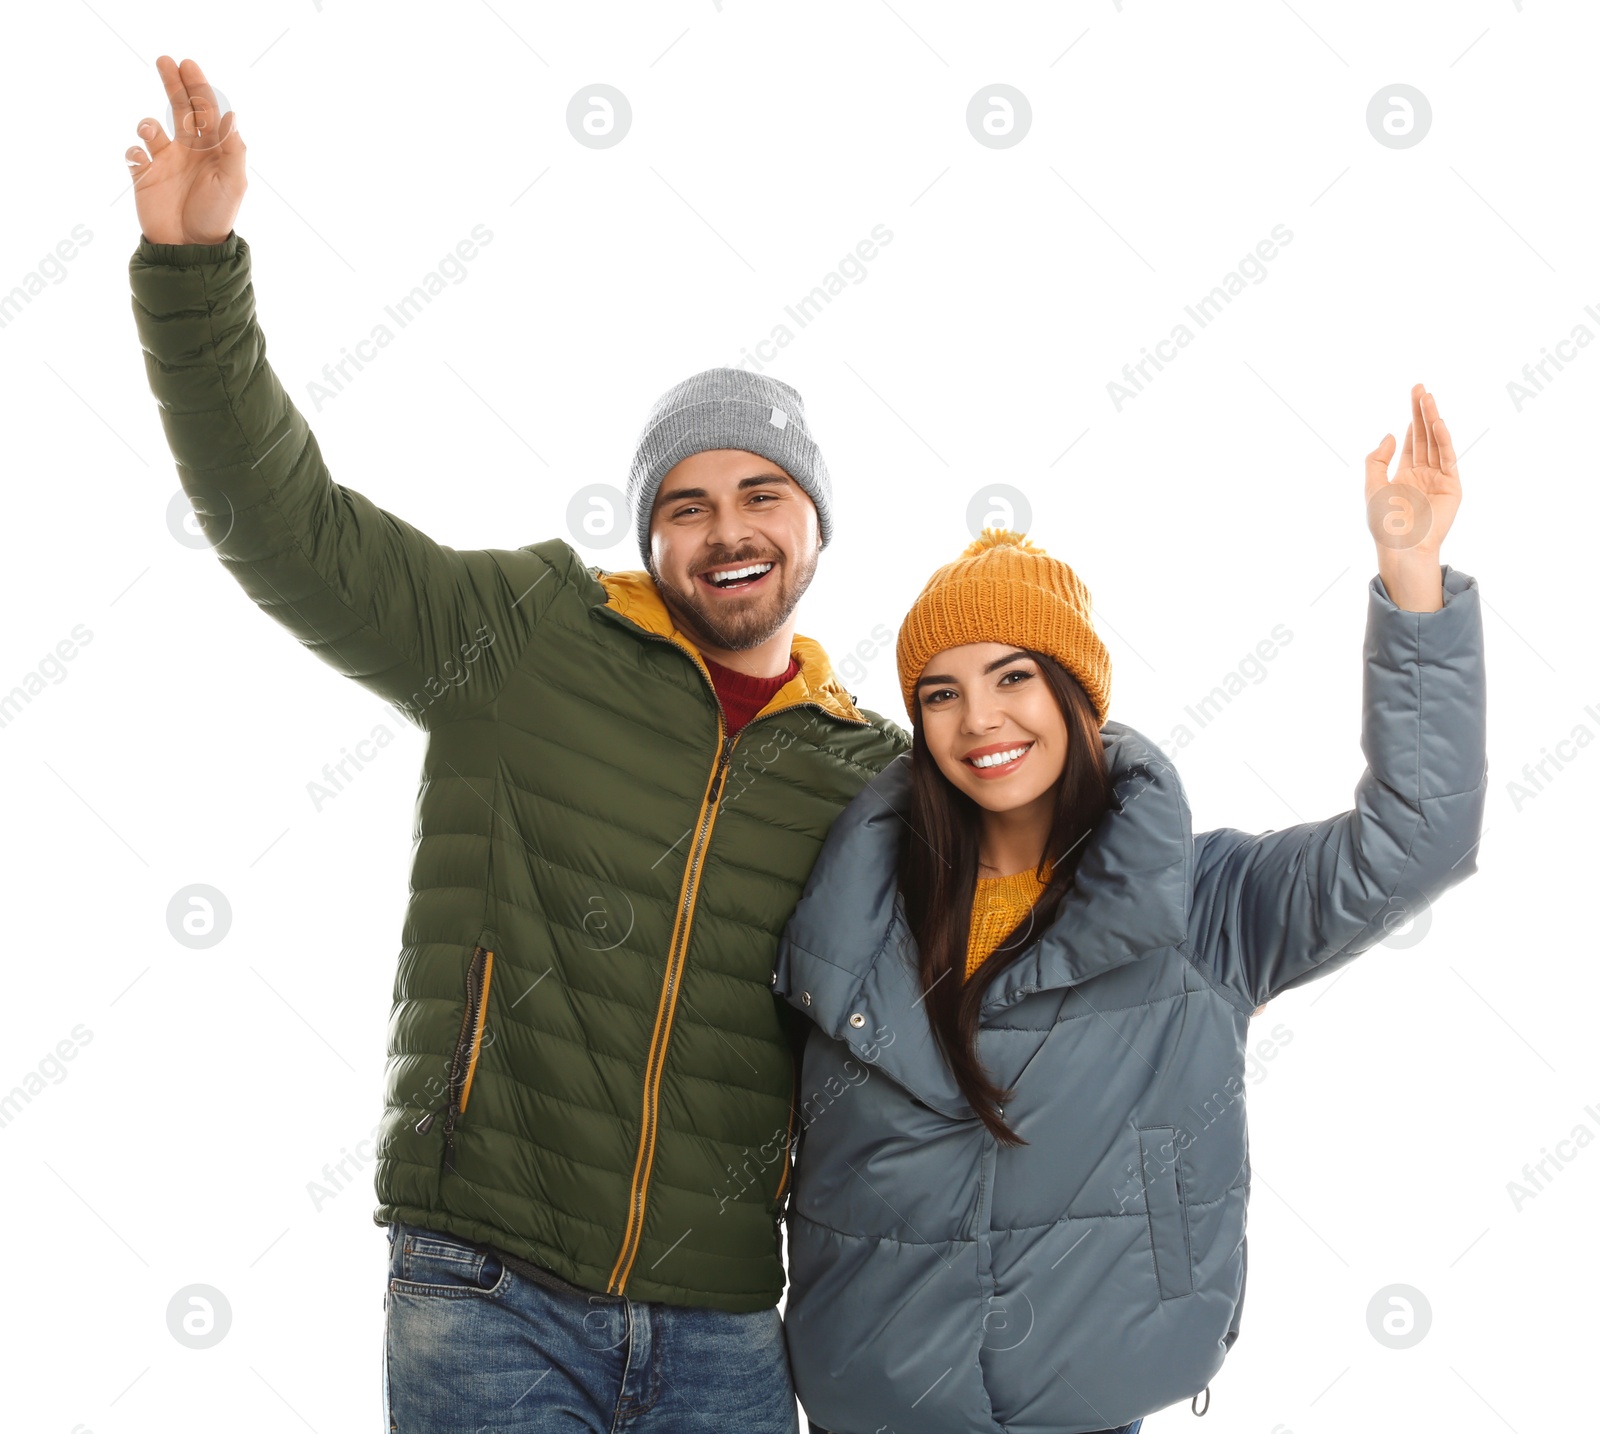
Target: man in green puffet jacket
x: 589, y: 1098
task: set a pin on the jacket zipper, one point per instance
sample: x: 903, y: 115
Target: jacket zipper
x: 464, y: 1059
x: 666, y: 1008
x: 644, y: 1158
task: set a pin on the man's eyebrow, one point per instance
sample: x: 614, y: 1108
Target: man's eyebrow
x: 988, y: 668
x: 751, y: 482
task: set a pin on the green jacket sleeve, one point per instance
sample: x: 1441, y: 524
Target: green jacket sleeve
x: 429, y: 628
x: 1275, y: 910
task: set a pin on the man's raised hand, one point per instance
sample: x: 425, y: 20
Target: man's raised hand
x: 188, y: 187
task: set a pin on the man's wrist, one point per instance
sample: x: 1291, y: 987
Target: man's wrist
x: 185, y: 255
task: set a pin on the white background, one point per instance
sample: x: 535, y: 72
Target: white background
x: 767, y: 140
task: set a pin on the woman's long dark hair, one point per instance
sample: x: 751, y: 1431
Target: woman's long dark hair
x: 938, y: 867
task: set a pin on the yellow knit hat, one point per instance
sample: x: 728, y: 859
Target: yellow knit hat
x: 1005, y: 589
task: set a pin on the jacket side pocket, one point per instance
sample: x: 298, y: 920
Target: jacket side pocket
x: 1165, y: 1201
x: 788, y: 1137
x: 469, y: 1044
x: 478, y: 1012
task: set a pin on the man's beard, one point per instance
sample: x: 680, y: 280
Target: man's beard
x: 751, y: 623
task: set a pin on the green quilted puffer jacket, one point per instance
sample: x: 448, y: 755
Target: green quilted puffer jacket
x: 587, y: 1066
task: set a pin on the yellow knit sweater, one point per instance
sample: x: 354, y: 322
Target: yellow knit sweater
x: 998, y: 903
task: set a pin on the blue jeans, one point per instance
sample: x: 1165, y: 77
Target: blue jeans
x: 473, y: 1347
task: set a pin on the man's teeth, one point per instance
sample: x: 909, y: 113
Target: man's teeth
x: 999, y: 759
x: 734, y: 574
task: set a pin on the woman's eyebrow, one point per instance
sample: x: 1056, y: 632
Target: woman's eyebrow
x: 990, y: 667
x: 1001, y: 661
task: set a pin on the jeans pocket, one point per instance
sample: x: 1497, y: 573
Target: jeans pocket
x: 433, y: 1263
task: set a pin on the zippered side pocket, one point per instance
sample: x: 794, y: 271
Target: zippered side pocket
x: 464, y: 1058
x: 478, y: 974
x: 788, y: 1140
x: 465, y: 1063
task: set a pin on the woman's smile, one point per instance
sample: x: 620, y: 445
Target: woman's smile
x: 999, y: 759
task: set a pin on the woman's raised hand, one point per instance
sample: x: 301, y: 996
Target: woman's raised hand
x: 188, y: 187
x: 1410, y: 515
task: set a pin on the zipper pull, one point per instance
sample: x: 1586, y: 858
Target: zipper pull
x: 423, y: 1126
x: 1207, y: 1392
x: 723, y: 763
x: 450, y: 1138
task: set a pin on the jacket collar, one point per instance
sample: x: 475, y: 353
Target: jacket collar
x: 633, y: 597
x: 848, y: 943
x: 1130, y: 896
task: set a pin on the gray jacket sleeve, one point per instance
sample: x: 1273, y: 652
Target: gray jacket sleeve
x: 1276, y: 910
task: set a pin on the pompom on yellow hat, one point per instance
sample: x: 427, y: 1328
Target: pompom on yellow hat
x: 1004, y: 588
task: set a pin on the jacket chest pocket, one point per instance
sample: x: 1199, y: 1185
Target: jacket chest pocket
x: 1166, y: 1203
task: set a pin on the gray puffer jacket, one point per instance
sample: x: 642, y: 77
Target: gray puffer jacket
x: 940, y: 1282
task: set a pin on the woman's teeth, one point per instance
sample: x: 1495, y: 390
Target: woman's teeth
x: 999, y: 759
x: 734, y: 575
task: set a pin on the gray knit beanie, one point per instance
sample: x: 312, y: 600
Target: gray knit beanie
x: 727, y: 408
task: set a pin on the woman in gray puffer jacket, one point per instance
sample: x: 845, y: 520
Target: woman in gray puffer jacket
x: 1021, y: 1183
